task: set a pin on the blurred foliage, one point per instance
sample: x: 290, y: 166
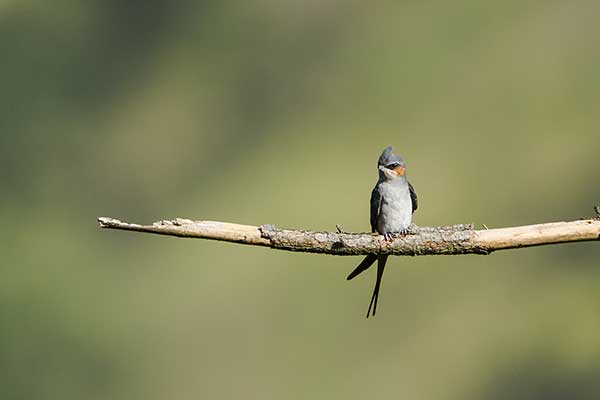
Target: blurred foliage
x: 266, y: 111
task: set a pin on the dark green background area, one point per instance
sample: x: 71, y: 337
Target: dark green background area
x: 265, y: 111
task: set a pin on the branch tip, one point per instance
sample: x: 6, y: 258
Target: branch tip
x: 106, y: 222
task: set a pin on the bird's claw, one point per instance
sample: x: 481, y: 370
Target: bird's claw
x: 389, y: 236
x: 404, y: 232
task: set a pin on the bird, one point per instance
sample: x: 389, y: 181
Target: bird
x: 393, y: 202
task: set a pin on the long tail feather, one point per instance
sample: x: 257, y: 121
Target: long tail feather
x: 381, y: 260
x: 366, y: 263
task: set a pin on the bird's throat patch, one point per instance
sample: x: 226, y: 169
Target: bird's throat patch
x: 399, y: 170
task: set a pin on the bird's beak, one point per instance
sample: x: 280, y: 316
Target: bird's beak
x: 399, y: 170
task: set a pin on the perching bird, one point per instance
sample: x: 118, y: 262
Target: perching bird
x: 393, y: 201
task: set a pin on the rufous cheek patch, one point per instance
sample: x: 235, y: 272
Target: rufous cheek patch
x: 399, y: 171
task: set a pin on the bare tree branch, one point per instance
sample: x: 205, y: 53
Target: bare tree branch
x: 449, y: 240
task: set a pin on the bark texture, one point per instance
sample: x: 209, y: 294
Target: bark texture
x: 442, y: 240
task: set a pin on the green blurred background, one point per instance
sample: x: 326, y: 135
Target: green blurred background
x: 264, y: 111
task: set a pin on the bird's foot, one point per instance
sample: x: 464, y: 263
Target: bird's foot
x: 390, y: 236
x: 403, y: 232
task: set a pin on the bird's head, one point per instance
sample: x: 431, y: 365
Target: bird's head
x: 390, y: 165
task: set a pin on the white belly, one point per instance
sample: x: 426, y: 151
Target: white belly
x: 396, y: 210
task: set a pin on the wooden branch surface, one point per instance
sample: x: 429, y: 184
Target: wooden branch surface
x: 449, y: 240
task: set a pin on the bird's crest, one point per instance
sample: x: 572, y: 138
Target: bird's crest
x: 387, y: 157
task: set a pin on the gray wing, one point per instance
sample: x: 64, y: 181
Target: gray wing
x: 413, y: 197
x: 375, y: 207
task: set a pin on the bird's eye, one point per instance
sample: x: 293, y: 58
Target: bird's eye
x: 392, y: 165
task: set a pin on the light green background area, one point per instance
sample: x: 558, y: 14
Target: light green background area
x: 266, y: 111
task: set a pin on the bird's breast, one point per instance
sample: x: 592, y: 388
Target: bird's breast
x: 396, y: 209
